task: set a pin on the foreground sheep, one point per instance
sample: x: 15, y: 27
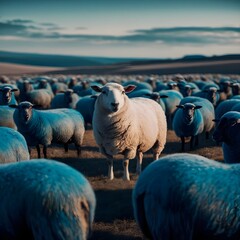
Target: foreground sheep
x: 127, y: 126
x: 188, y: 197
x: 228, y: 132
x: 49, y: 126
x: 13, y: 146
x: 42, y: 199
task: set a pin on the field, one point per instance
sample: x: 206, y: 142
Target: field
x: 114, y: 214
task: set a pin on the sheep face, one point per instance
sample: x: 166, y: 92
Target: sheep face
x: 7, y: 94
x: 235, y: 88
x: 188, y: 112
x: 25, y: 111
x: 112, y: 96
x: 212, y: 94
x: 68, y: 96
x: 226, y: 127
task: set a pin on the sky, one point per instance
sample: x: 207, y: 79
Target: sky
x: 126, y: 28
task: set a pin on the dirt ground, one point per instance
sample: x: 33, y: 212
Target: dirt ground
x: 114, y: 213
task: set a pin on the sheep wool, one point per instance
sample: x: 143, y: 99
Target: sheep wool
x: 13, y: 146
x: 44, y: 199
x: 127, y: 126
x: 188, y: 197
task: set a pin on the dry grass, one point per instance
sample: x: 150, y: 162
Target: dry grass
x: 114, y: 214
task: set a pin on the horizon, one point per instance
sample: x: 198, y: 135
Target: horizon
x: 130, y: 29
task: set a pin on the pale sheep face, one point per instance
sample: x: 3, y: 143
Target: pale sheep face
x: 113, y: 96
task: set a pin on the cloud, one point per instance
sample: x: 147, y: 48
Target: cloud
x: 169, y: 36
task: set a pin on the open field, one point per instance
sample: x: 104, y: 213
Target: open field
x: 114, y: 215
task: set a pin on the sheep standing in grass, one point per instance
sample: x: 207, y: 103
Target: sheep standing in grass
x: 13, y: 146
x: 127, y: 126
x: 44, y: 199
x: 188, y: 197
x: 207, y: 111
x: 228, y: 132
x: 188, y: 122
x: 45, y: 127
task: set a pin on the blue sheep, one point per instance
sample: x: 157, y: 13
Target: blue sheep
x: 188, y: 197
x: 49, y: 126
x: 85, y: 106
x: 207, y: 111
x: 13, y: 146
x: 188, y: 122
x: 228, y: 132
x: 149, y: 94
x: 225, y: 106
x: 42, y: 199
x: 7, y: 95
x: 6, y: 117
x: 66, y: 99
x: 173, y: 99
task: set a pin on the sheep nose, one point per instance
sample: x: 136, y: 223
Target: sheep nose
x: 115, y: 104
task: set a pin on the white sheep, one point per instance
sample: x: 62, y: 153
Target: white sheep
x: 43, y: 199
x: 49, y: 126
x: 228, y: 132
x: 127, y: 126
x: 188, y: 197
x: 13, y: 146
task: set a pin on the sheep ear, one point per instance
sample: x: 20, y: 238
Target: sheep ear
x: 36, y: 106
x: 192, y: 88
x: 96, y: 88
x: 163, y: 96
x: 14, y: 90
x: 180, y: 106
x: 13, y: 106
x: 148, y: 94
x: 197, y: 107
x: 129, y: 88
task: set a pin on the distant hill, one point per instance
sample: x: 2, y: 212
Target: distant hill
x: 14, y: 63
x: 50, y: 60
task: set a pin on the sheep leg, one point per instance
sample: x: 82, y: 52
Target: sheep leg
x: 38, y: 151
x: 45, y: 151
x: 110, y: 169
x: 183, y: 143
x: 191, y: 142
x: 196, y: 140
x: 207, y: 135
x: 125, y: 170
x: 66, y: 147
x: 139, y: 162
x: 78, y: 150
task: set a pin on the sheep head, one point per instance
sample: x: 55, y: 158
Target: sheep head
x: 7, y: 94
x: 112, y: 95
x: 24, y: 111
x: 188, y: 112
x: 226, y: 127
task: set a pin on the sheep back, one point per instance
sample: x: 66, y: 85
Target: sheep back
x: 53, y: 201
x: 186, y: 196
x: 13, y: 146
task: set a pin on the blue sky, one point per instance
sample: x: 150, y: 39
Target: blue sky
x: 127, y: 28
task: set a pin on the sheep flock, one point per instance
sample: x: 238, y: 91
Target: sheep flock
x: 181, y: 133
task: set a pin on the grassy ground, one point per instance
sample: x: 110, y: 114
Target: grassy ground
x: 114, y: 214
